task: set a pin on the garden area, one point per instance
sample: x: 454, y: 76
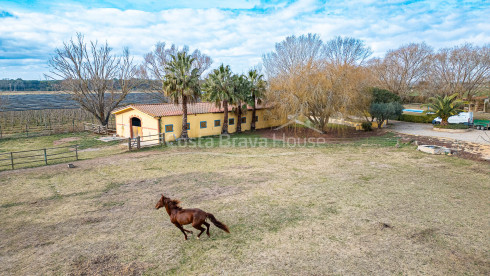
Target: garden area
x: 355, y: 208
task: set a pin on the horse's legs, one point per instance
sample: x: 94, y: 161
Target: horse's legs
x: 188, y: 231
x: 207, y: 226
x: 182, y: 229
x: 198, y: 226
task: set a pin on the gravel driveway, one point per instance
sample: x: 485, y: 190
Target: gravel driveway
x: 473, y: 136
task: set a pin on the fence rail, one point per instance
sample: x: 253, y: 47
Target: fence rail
x: 20, y: 159
x: 30, y: 131
x: 146, y: 141
x: 99, y: 129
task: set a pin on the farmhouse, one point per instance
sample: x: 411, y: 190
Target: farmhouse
x: 203, y: 119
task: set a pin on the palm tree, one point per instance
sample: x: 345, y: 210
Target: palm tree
x: 181, y: 84
x: 257, y: 90
x: 219, y: 89
x: 241, y: 93
x: 445, y: 107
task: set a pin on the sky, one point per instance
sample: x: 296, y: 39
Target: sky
x: 237, y: 32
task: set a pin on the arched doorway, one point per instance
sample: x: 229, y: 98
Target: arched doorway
x: 136, y: 129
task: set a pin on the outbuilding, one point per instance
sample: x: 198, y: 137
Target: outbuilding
x: 203, y: 119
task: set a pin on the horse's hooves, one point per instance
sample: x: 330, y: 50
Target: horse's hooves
x: 197, y: 237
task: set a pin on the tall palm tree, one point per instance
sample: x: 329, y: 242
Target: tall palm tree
x: 257, y: 90
x: 219, y: 89
x: 241, y: 91
x: 181, y: 84
x: 445, y: 107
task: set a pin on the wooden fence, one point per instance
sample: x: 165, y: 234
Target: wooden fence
x: 38, y: 157
x: 42, y: 130
x: 146, y: 141
x: 99, y: 129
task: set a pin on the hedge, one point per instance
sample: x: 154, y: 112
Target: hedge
x: 417, y: 118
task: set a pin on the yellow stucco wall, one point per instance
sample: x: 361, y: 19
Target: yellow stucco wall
x: 195, y: 120
x: 149, y: 124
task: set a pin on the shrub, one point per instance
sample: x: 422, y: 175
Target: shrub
x: 417, y: 118
x: 452, y: 126
x: 367, y: 126
x: 383, y: 111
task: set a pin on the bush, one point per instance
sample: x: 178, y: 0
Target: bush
x: 452, y: 126
x: 384, y: 111
x: 417, y: 118
x: 367, y: 126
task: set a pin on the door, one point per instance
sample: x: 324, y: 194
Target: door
x: 136, y: 129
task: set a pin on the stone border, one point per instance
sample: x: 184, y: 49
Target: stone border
x: 451, y: 130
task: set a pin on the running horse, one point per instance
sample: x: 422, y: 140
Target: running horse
x: 194, y: 216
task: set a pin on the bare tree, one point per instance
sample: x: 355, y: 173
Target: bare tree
x: 292, y: 54
x: 346, y: 51
x: 304, y: 82
x: 99, y: 80
x: 156, y: 62
x: 463, y: 69
x: 403, y: 69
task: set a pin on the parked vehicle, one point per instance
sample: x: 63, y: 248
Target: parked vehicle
x: 481, y: 124
x: 462, y: 118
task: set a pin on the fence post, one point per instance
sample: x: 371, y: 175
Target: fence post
x: 73, y: 126
x: 45, y: 157
x: 12, y: 159
x: 129, y: 143
x: 27, y: 131
x: 138, y: 142
x: 0, y: 132
x: 76, y: 152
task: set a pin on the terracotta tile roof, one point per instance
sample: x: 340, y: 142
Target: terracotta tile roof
x: 168, y: 109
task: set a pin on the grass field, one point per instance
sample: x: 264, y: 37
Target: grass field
x: 346, y: 209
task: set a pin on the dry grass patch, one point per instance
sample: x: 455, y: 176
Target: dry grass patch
x: 308, y: 211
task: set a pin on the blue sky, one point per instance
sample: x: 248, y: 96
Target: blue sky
x: 231, y: 32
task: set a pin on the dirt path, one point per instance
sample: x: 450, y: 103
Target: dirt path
x: 472, y: 136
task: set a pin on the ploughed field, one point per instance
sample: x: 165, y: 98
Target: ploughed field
x: 307, y: 211
x: 30, y: 101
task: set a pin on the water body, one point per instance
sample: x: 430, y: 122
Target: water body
x: 58, y: 101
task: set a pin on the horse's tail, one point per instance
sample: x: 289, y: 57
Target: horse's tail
x: 218, y: 223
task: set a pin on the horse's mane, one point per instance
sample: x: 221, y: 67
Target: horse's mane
x: 176, y: 203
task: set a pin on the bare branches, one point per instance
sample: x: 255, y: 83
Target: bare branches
x: 307, y: 81
x: 292, y: 54
x: 404, y: 68
x: 464, y: 70
x: 346, y: 51
x: 98, y: 79
x: 155, y: 63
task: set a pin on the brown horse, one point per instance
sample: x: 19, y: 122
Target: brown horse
x: 180, y: 217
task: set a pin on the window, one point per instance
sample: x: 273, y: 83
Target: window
x: 231, y: 121
x: 204, y: 124
x: 256, y: 118
x: 217, y: 123
x: 244, y: 120
x: 169, y: 128
x: 188, y: 126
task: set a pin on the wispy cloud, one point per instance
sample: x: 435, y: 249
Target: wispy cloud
x: 236, y: 34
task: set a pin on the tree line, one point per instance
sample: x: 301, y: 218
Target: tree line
x: 29, y: 85
x: 304, y: 77
x: 316, y: 80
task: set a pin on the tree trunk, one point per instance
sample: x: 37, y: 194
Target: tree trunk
x: 252, y: 125
x: 239, y: 120
x: 224, y: 130
x: 184, y: 119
